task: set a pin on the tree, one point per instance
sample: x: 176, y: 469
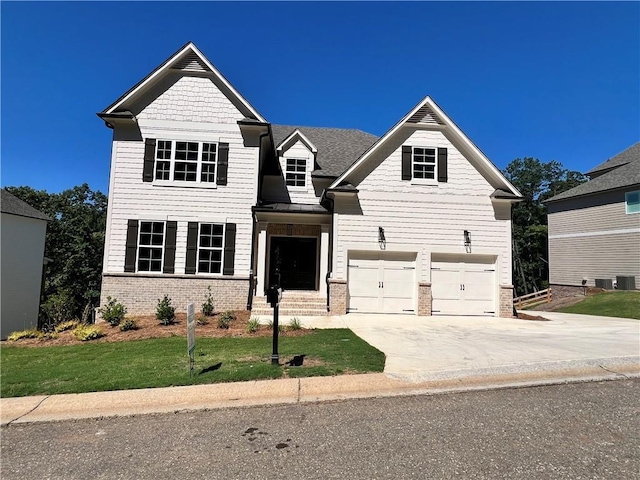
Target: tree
x: 74, y: 242
x: 537, y: 181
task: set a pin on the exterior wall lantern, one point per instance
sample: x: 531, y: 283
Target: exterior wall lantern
x: 382, y: 241
x: 467, y: 240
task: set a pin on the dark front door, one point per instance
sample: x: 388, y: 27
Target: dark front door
x: 296, y: 260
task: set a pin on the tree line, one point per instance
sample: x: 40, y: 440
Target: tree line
x: 74, y: 241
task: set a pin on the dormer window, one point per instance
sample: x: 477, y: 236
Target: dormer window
x: 296, y: 172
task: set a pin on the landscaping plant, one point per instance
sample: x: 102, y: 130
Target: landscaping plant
x: 113, y: 312
x: 128, y: 324
x: 225, y: 319
x: 68, y: 325
x: 165, y: 312
x: 87, y: 332
x: 207, y: 306
x: 253, y: 325
x: 295, y: 324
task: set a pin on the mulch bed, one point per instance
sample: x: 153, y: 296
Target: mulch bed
x: 150, y: 327
x: 524, y: 316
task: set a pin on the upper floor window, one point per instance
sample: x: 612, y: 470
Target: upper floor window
x: 424, y: 163
x: 632, y: 201
x: 150, y: 246
x: 185, y: 161
x: 295, y: 172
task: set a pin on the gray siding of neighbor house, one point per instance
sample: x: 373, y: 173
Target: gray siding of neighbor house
x: 22, y: 247
x: 593, y: 237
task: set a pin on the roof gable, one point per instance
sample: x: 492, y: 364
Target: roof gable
x: 186, y: 59
x: 337, y: 148
x: 427, y: 112
x: 13, y: 205
x: 293, y: 138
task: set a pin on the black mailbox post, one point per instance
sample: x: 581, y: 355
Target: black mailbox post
x: 274, y: 294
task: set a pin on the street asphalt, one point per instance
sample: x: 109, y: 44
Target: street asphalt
x: 425, y: 355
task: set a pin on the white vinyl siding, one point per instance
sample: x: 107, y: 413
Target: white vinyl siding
x: 192, y: 110
x: 422, y: 218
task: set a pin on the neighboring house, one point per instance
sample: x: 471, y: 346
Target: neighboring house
x: 204, y: 192
x: 594, y: 228
x: 22, y: 236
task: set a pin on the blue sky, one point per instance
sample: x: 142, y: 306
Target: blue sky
x: 556, y: 81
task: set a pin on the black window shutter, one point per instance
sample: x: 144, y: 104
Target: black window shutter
x: 131, y: 246
x: 170, y: 248
x: 149, y: 159
x: 223, y: 163
x: 406, y: 162
x: 192, y: 248
x: 442, y: 164
x: 229, y: 248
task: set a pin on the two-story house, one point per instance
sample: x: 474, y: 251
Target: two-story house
x: 205, y: 193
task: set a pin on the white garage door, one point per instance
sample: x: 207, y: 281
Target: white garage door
x: 463, y: 285
x: 382, y: 282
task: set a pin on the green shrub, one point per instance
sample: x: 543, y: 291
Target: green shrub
x: 87, y: 332
x: 225, y: 319
x: 207, y: 306
x: 295, y: 324
x: 68, y: 325
x: 165, y: 312
x: 113, y: 312
x: 58, y: 308
x: 31, y: 333
x: 128, y: 324
x: 253, y: 325
x: 202, y: 320
x: 281, y: 329
x: 270, y: 324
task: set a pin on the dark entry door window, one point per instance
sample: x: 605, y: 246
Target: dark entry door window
x: 296, y: 259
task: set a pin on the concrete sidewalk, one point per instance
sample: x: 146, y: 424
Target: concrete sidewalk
x: 425, y: 355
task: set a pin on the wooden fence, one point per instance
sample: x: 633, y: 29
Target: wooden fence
x: 531, y: 299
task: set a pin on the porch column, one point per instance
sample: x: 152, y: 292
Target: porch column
x: 324, y: 258
x: 262, y: 259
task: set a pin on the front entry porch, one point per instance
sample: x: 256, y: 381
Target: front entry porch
x: 295, y: 245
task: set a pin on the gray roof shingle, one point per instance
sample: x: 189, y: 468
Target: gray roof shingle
x: 625, y: 173
x: 13, y: 205
x: 337, y: 148
x: 630, y: 154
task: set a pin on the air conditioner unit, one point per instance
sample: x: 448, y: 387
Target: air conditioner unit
x: 605, y: 283
x: 626, y: 283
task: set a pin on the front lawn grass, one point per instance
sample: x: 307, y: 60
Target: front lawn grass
x: 164, y: 362
x: 625, y: 304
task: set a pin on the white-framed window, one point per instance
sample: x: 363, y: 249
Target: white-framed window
x: 632, y: 202
x: 150, y: 246
x: 210, y: 247
x: 295, y: 172
x: 424, y: 162
x: 186, y: 161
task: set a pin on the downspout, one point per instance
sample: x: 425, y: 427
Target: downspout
x: 329, y: 202
x: 255, y: 223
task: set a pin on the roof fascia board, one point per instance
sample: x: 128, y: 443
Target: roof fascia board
x: 166, y: 65
x: 297, y: 133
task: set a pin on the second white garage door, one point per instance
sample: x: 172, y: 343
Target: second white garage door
x: 463, y: 285
x: 382, y: 282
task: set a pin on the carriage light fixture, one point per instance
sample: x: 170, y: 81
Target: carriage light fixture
x: 467, y: 238
x: 382, y: 241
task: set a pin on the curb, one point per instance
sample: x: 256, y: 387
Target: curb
x: 36, y: 409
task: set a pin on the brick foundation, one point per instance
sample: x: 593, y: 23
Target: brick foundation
x: 337, y: 297
x: 140, y: 294
x: 506, y: 301
x: 424, y: 299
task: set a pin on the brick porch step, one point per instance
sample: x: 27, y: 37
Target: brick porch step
x: 302, y: 303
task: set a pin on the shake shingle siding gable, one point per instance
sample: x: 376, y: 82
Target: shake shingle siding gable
x: 337, y: 147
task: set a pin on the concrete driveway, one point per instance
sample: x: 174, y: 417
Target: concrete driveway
x: 439, y: 347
